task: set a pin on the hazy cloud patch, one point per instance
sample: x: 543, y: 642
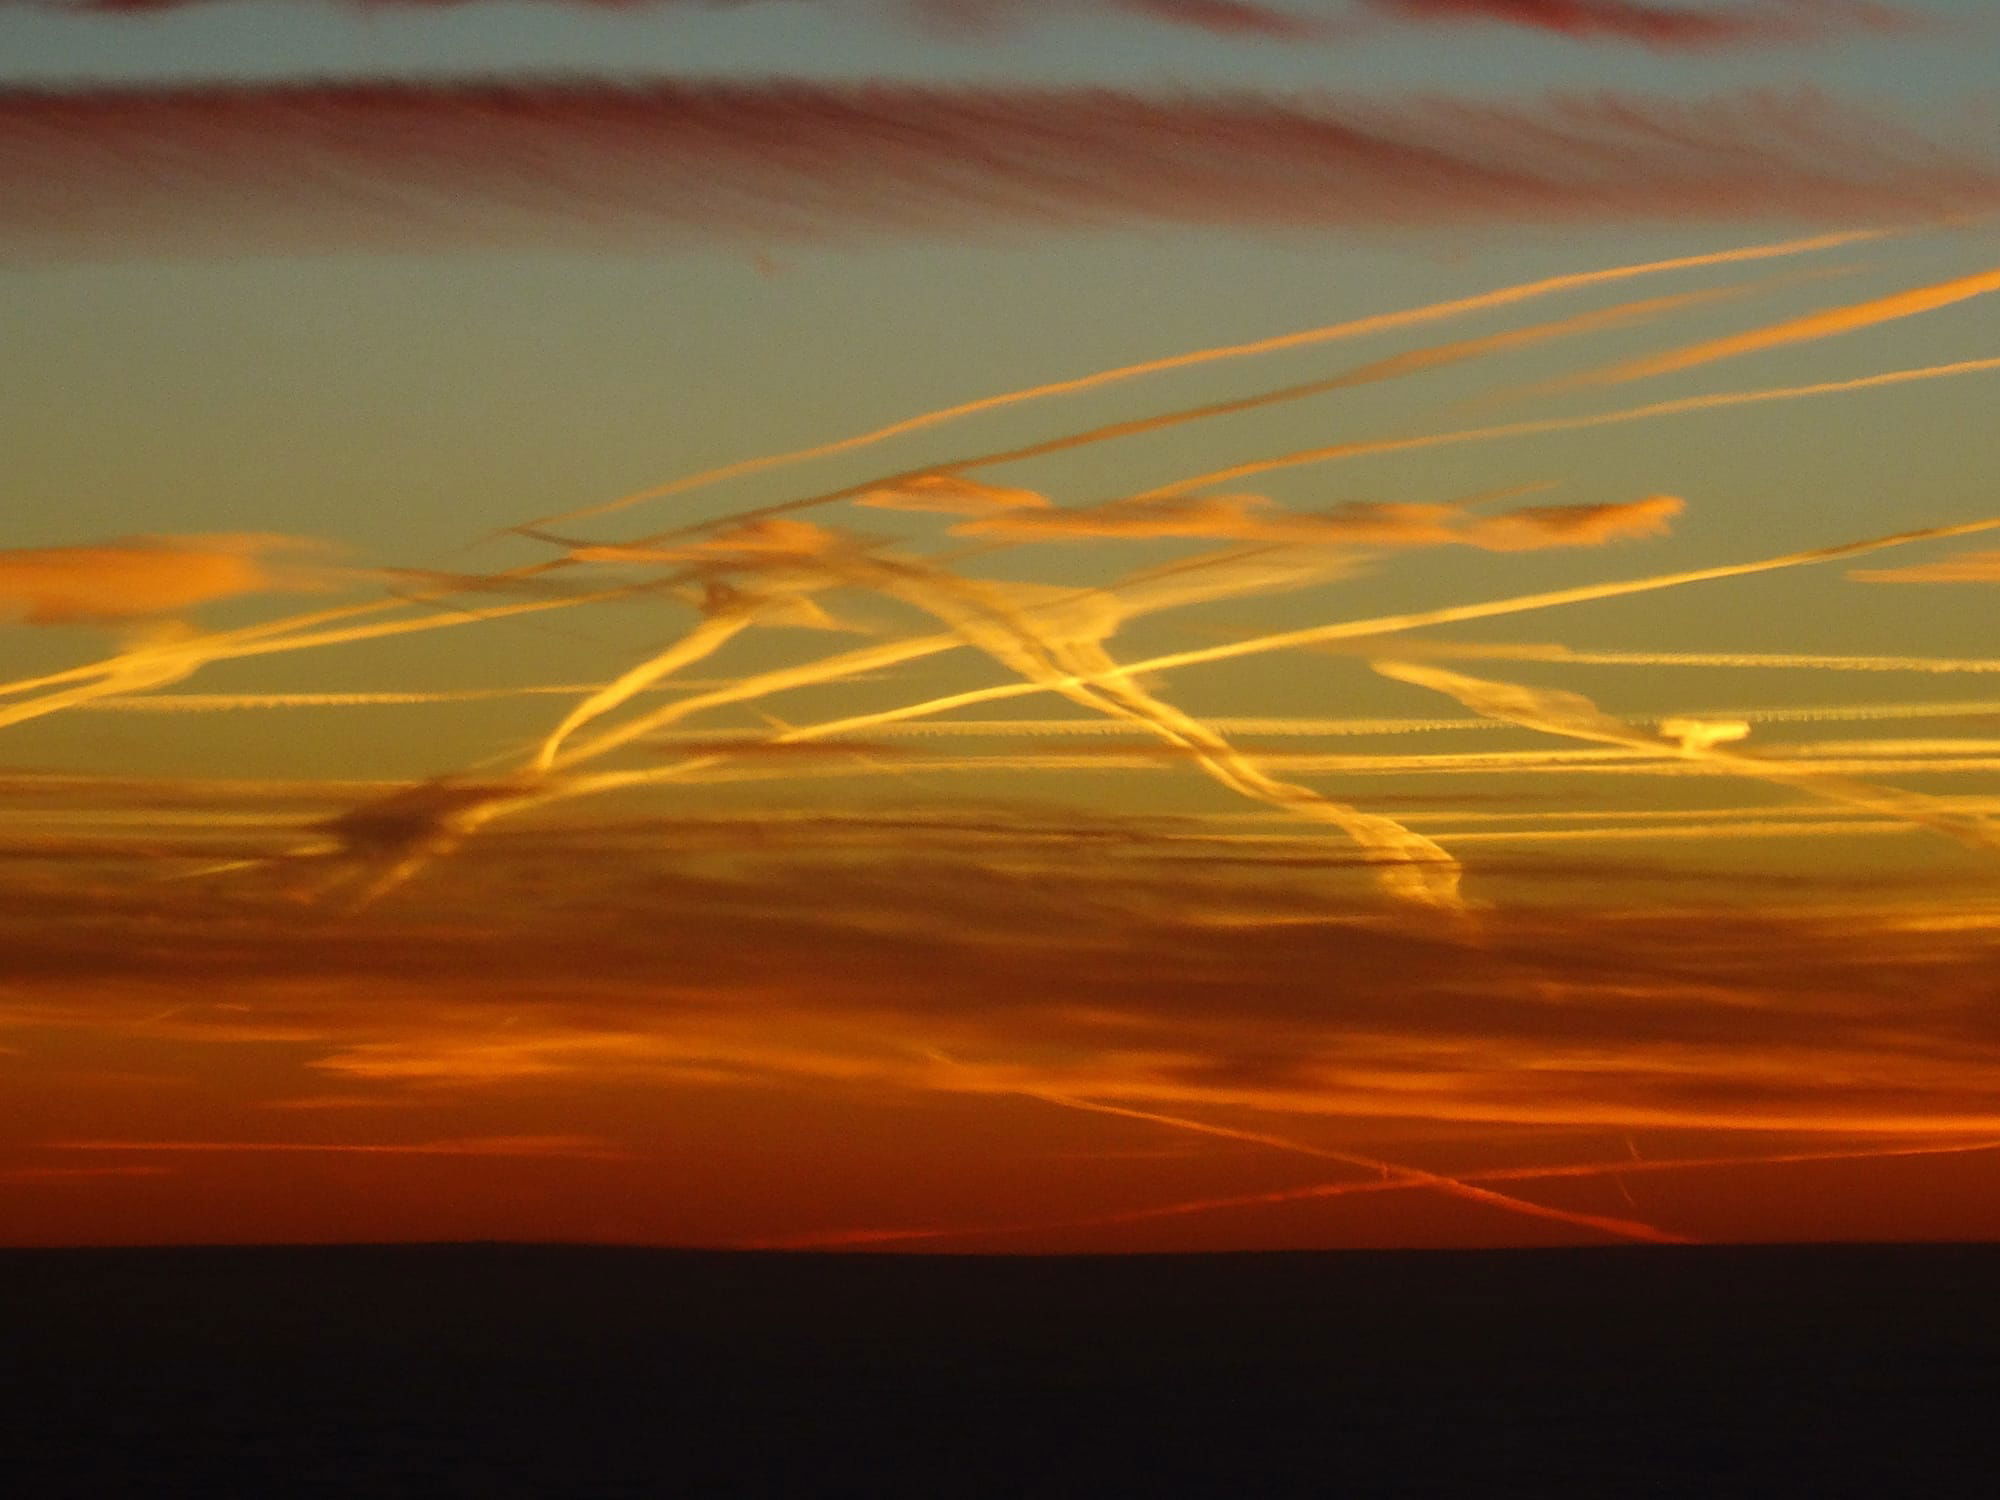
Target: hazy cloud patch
x: 141, y: 578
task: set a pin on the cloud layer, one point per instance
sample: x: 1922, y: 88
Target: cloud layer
x: 1671, y: 27
x: 1163, y: 962
x: 110, y: 172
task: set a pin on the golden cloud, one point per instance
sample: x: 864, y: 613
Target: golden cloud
x: 948, y: 494
x: 1253, y: 518
x: 139, y: 578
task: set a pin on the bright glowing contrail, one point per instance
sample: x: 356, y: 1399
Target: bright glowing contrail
x: 1289, y: 727
x: 1060, y: 649
x: 197, y: 703
x: 1576, y: 717
x: 1394, y: 367
x: 1813, y: 326
x: 707, y: 637
x: 717, y: 765
x: 1502, y: 651
x: 1352, y: 328
x: 1390, y: 624
x: 155, y: 664
x: 1369, y: 447
x: 230, y: 644
x: 1074, y: 662
x: 136, y: 671
x: 467, y: 818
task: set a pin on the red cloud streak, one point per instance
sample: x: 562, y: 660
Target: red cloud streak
x: 1669, y: 26
x: 120, y: 171
x: 1663, y: 26
x: 973, y: 17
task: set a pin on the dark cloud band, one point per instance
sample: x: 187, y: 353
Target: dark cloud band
x: 1724, y: 24
x: 106, y: 172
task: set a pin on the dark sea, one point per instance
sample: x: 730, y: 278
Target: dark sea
x: 514, y: 1370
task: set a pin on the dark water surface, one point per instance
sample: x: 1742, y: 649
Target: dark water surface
x: 504, y: 1370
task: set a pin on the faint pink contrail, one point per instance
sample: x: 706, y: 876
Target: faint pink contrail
x: 830, y: 1239
x: 1456, y: 1187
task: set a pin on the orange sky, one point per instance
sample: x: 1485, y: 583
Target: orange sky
x: 934, y: 860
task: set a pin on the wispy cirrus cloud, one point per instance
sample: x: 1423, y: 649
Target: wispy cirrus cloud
x: 970, y: 20
x: 314, y: 167
x: 1714, y: 26
x: 1239, y: 18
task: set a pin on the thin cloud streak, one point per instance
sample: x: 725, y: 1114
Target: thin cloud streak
x: 565, y: 1147
x: 1626, y: 1229
x: 1967, y: 567
x: 916, y: 484
x: 1575, y: 716
x: 1057, y: 643
x: 931, y: 481
x: 1417, y: 869
x: 166, y: 659
x: 966, y: 20
x: 425, y: 822
x: 1718, y: 401
x: 758, y: 537
x: 1756, y: 660
x: 1387, y: 624
x: 197, y: 703
x: 1674, y: 28
x: 1713, y: 27
x: 1827, y: 323
x: 111, y: 172
x: 837, y: 1239
x: 1253, y: 518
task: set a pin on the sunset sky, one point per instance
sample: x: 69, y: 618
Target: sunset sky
x: 1012, y: 625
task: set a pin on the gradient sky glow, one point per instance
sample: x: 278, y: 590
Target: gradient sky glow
x: 1390, y: 766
